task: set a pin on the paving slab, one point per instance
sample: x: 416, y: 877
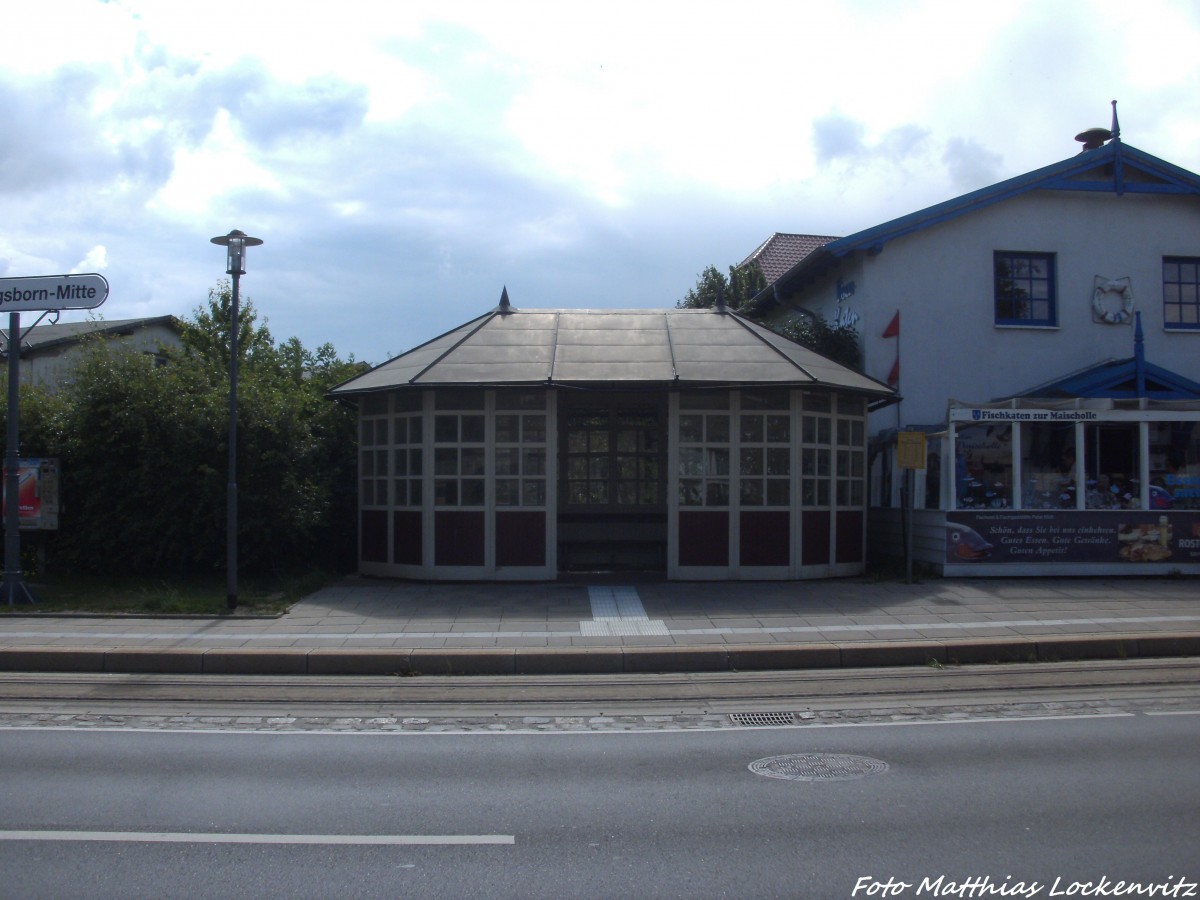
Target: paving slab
x: 363, y: 626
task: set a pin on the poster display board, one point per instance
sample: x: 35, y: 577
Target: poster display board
x: 37, y: 494
x: 1081, y: 536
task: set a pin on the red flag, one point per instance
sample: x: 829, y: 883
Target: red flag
x: 893, y: 329
x: 894, y: 375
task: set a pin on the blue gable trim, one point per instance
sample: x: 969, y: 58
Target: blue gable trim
x: 1114, y: 168
x: 1122, y: 158
x: 1118, y: 379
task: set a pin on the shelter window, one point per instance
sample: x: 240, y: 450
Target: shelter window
x: 851, y: 462
x: 613, y: 457
x: 1024, y: 289
x: 407, y: 460
x: 816, y: 434
x: 459, y: 461
x: 983, y: 468
x: 373, y: 441
x: 1111, y: 464
x: 764, y: 449
x: 1181, y: 292
x: 1175, y: 465
x: 704, y: 441
x: 520, y: 449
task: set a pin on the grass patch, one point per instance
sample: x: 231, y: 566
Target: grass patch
x: 101, y: 595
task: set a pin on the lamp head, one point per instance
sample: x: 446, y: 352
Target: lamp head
x: 236, y: 243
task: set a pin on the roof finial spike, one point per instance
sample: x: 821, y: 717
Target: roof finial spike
x: 1116, y: 127
x: 505, y: 306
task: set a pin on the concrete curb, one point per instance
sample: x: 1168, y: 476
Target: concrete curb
x: 589, y: 660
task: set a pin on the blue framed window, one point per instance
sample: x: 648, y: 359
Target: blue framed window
x: 1024, y: 289
x: 1181, y: 292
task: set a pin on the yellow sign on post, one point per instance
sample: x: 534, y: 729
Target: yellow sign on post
x: 910, y: 449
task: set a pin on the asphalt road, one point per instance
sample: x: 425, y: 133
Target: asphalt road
x: 1039, y: 803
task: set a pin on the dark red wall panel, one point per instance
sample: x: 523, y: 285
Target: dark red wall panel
x: 704, y: 538
x: 815, y: 540
x: 373, y: 531
x: 407, y: 538
x: 458, y: 538
x: 521, y: 538
x: 766, y: 538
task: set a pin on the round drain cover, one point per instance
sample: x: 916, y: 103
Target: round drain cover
x: 818, y: 767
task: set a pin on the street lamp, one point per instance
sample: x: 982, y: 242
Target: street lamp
x: 236, y: 243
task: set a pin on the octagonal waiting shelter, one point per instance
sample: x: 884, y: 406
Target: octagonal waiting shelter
x: 528, y: 443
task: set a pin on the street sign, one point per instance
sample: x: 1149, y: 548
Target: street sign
x: 910, y: 449
x: 85, y: 291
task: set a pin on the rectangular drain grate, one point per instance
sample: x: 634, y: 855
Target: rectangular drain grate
x: 762, y: 719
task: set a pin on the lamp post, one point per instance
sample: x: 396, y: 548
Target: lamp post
x: 236, y: 243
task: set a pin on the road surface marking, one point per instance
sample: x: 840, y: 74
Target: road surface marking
x: 618, y: 612
x: 1174, y: 712
x: 204, y: 837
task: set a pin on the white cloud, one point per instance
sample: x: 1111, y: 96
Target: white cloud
x: 96, y: 260
x: 405, y: 161
x: 205, y: 176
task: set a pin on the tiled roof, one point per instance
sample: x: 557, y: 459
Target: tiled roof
x: 610, y: 347
x: 778, y: 253
x: 43, y: 336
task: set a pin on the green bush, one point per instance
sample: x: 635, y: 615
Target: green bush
x: 143, y: 452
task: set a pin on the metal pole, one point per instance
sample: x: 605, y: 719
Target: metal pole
x: 14, y: 588
x: 231, y: 510
x: 908, y: 526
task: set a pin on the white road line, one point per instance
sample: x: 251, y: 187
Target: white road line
x: 1174, y: 712
x: 188, y: 837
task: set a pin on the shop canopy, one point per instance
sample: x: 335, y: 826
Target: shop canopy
x: 613, y: 348
x: 1122, y: 379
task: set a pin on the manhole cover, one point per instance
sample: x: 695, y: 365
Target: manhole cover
x: 762, y: 718
x: 818, y: 767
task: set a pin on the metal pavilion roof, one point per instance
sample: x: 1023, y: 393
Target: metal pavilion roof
x: 610, y: 348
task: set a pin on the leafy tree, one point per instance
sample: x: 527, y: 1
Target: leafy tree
x: 737, y: 289
x: 206, y: 334
x: 839, y: 343
x: 144, y: 452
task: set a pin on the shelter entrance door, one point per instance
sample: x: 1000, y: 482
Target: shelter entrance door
x: 612, y: 511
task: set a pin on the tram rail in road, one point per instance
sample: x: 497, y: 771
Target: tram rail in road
x: 672, y: 693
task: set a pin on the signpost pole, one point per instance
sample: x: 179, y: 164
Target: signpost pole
x: 14, y: 588
x: 908, y: 526
x: 47, y: 293
x: 910, y: 455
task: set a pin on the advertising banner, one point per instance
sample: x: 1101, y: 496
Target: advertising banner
x: 37, y: 494
x: 1073, y: 537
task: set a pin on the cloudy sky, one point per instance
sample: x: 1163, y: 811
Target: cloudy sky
x: 403, y: 161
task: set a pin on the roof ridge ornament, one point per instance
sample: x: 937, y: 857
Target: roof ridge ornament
x: 1095, y: 138
x: 505, y: 307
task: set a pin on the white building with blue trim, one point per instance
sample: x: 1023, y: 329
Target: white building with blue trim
x: 1044, y: 333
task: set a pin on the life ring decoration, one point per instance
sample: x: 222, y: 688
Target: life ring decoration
x: 1102, y: 311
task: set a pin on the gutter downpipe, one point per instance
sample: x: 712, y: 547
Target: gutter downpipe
x: 1139, y: 355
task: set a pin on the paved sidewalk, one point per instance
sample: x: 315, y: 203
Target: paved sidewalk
x: 362, y: 626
